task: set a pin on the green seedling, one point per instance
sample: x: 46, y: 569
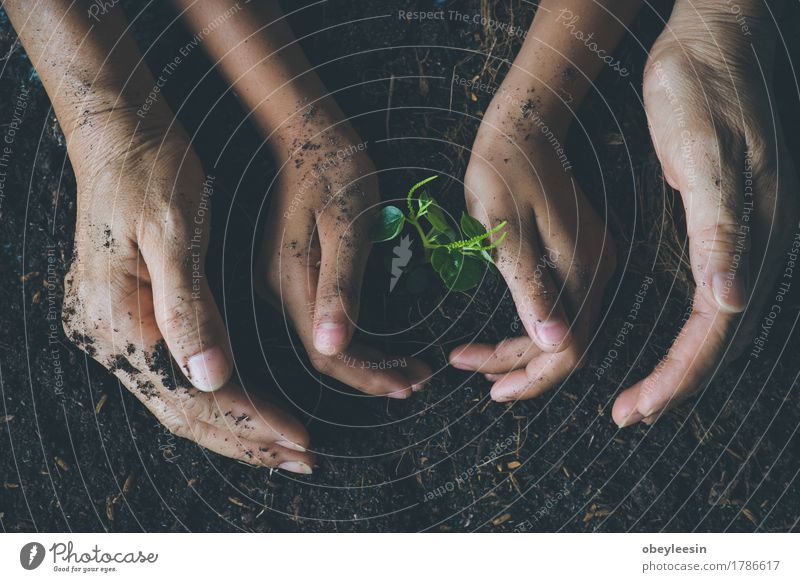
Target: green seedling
x: 460, y: 255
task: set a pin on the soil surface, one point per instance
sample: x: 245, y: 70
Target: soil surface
x: 79, y: 453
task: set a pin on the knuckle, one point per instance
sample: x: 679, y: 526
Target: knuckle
x: 334, y: 298
x: 195, y: 407
x: 722, y: 238
x: 170, y: 233
x: 186, y: 324
x: 321, y: 363
x: 177, y: 425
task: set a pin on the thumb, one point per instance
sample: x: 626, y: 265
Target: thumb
x: 187, y: 314
x: 718, y: 225
x: 342, y: 264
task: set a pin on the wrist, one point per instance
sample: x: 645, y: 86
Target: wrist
x: 528, y: 111
x: 109, y: 127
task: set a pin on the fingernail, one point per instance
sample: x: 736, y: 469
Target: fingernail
x: 296, y: 467
x: 631, y: 418
x: 460, y: 361
x: 501, y: 396
x: 398, y: 395
x: 208, y: 370
x: 329, y: 337
x: 552, y: 331
x: 729, y: 291
x: 291, y: 445
x: 420, y: 380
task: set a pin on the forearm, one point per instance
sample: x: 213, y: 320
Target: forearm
x: 256, y: 51
x: 93, y: 73
x: 567, y: 46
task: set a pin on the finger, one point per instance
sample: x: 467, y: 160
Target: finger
x: 540, y: 375
x: 506, y: 356
x: 717, y: 224
x: 185, y: 310
x: 624, y: 411
x: 248, y: 416
x: 419, y: 374
x: 227, y: 421
x: 224, y: 442
x: 718, y: 227
x: 526, y: 270
x: 345, y: 249
x: 690, y: 363
x: 370, y: 371
x: 365, y: 369
x: 545, y: 370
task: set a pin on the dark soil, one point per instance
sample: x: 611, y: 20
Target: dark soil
x: 79, y: 453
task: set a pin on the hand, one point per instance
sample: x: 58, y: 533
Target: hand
x: 557, y: 257
x: 315, y: 249
x: 709, y: 103
x: 136, y: 296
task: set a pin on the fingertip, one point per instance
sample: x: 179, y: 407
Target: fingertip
x: 624, y: 412
x: 209, y: 370
x: 419, y: 375
x: 512, y: 386
x: 456, y: 358
x: 400, y: 394
x: 553, y: 335
x: 331, y: 338
x: 298, y: 467
x: 629, y: 419
x: 291, y: 445
x: 729, y: 291
x: 470, y: 357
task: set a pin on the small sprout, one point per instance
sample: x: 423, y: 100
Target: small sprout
x: 459, y: 255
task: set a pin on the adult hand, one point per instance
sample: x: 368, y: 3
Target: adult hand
x: 709, y: 102
x: 136, y: 296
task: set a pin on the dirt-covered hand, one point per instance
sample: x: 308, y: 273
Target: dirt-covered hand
x: 557, y: 258
x: 709, y: 102
x: 137, y: 301
x: 315, y: 250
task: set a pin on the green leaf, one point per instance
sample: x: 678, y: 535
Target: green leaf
x: 439, y: 259
x: 390, y: 223
x: 437, y: 218
x: 471, y: 227
x: 424, y: 201
x: 461, y: 272
x: 445, y: 237
x: 414, y: 188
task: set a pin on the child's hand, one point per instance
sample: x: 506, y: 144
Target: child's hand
x: 315, y: 249
x: 712, y: 117
x: 136, y: 295
x: 557, y: 257
x: 317, y: 239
